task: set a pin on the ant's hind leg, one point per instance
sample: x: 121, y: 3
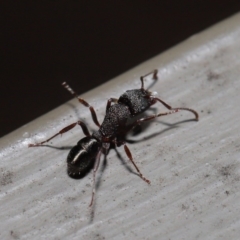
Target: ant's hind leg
x: 96, y: 165
x: 66, y: 129
x: 82, y: 101
x: 131, y: 159
x: 154, y: 73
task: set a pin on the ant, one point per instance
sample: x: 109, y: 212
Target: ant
x: 113, y: 129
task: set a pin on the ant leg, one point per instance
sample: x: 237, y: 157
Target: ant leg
x: 179, y: 108
x: 115, y: 100
x: 139, y: 121
x: 82, y: 101
x: 154, y: 72
x: 96, y: 165
x: 66, y: 129
x: 131, y: 159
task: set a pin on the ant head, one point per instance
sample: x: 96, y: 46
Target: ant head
x: 81, y: 157
x: 137, y: 100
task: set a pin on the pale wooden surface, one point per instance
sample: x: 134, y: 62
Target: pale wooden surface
x: 194, y: 167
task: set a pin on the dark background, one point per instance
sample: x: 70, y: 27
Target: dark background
x: 43, y: 43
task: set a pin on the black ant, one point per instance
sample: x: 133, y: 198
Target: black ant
x: 113, y: 129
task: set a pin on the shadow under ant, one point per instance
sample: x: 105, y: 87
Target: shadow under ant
x: 142, y: 128
x: 136, y: 131
x: 83, y: 173
x: 123, y: 161
x: 58, y: 148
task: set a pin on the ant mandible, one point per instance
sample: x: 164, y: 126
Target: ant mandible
x: 112, y: 130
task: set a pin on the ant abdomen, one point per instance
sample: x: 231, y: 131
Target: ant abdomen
x: 81, y: 157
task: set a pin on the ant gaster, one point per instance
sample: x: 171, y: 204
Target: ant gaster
x: 113, y: 129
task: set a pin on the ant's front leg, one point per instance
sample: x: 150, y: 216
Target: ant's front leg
x: 179, y: 108
x: 154, y: 73
x: 66, y: 129
x: 148, y: 118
